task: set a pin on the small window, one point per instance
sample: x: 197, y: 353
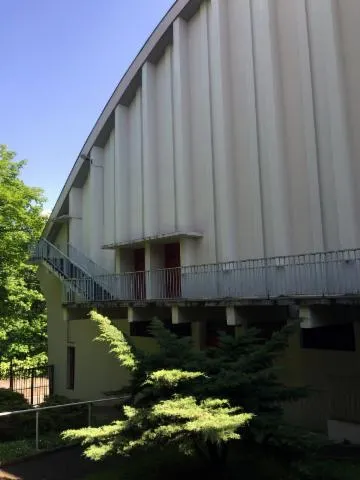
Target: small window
x: 70, y: 380
x: 141, y: 329
x: 330, y: 337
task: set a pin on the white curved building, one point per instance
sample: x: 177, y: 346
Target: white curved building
x: 223, y: 168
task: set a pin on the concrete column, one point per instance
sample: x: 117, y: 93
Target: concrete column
x: 181, y: 91
x: 179, y: 315
x: 235, y: 317
x: 75, y: 213
x: 136, y: 314
x: 188, y: 248
x: 270, y: 129
x: 223, y: 145
x: 332, y: 122
x: 154, y: 263
x: 96, y: 192
x: 198, y: 333
x: 122, y: 191
x: 150, y: 170
x: 315, y: 316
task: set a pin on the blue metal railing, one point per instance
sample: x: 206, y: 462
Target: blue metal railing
x: 323, y: 274
x: 71, y: 270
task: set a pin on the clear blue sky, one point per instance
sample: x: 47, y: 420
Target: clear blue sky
x: 60, y: 61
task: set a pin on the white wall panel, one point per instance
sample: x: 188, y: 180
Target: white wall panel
x: 121, y: 171
x: 150, y: 154
x: 165, y: 144
x: 135, y: 201
x: 109, y: 191
x: 271, y: 132
x: 333, y: 136
x: 184, y: 185
x: 201, y: 136
x: 222, y: 132
x: 87, y: 218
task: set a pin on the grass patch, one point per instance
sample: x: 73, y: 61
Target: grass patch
x: 17, y: 449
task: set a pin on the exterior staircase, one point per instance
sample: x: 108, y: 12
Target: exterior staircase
x: 83, y: 277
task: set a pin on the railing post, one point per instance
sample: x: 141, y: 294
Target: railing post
x: 11, y: 375
x: 37, y: 429
x: 51, y: 379
x: 32, y: 387
x: 89, y: 414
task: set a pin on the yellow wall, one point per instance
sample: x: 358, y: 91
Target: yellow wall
x: 96, y: 370
x: 320, y: 370
x: 56, y: 326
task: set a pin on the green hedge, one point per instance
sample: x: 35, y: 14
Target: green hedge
x: 14, y: 427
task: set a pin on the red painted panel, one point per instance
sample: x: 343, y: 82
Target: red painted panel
x: 139, y: 260
x: 173, y: 276
x: 172, y: 255
x: 139, y: 268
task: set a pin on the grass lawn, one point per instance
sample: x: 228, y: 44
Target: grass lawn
x: 11, y: 451
x: 161, y: 465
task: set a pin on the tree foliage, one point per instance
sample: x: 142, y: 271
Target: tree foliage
x: 200, y: 400
x: 165, y: 410
x: 22, y: 320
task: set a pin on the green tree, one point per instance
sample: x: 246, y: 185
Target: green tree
x: 165, y: 410
x: 22, y: 319
x: 175, y: 386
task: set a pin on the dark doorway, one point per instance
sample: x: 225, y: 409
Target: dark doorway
x: 139, y: 268
x: 172, y: 273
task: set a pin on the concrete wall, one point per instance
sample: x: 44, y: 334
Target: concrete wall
x: 322, y: 370
x: 56, y: 326
x: 96, y: 370
x: 62, y: 238
x: 245, y: 130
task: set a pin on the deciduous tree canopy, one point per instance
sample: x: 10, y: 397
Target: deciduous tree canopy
x: 22, y: 319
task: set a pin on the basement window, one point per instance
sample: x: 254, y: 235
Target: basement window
x: 141, y: 329
x: 70, y: 373
x: 339, y: 337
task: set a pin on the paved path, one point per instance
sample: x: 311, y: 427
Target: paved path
x: 66, y: 464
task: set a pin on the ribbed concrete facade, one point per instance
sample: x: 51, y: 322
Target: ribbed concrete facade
x: 243, y: 128
x: 234, y: 134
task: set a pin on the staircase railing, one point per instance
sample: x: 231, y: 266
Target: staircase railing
x: 86, y: 263
x: 81, y: 280
x: 63, y: 265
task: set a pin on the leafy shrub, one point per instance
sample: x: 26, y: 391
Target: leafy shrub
x: 59, y: 419
x: 14, y: 427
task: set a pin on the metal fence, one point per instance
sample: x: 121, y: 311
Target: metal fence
x: 34, y: 383
x: 327, y: 274
x: 37, y: 412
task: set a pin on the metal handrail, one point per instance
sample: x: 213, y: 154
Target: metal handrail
x: 51, y: 246
x: 86, y: 263
x: 313, y: 274
x: 37, y: 411
x: 78, y: 270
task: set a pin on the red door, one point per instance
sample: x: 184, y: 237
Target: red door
x: 172, y: 262
x: 139, y: 268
